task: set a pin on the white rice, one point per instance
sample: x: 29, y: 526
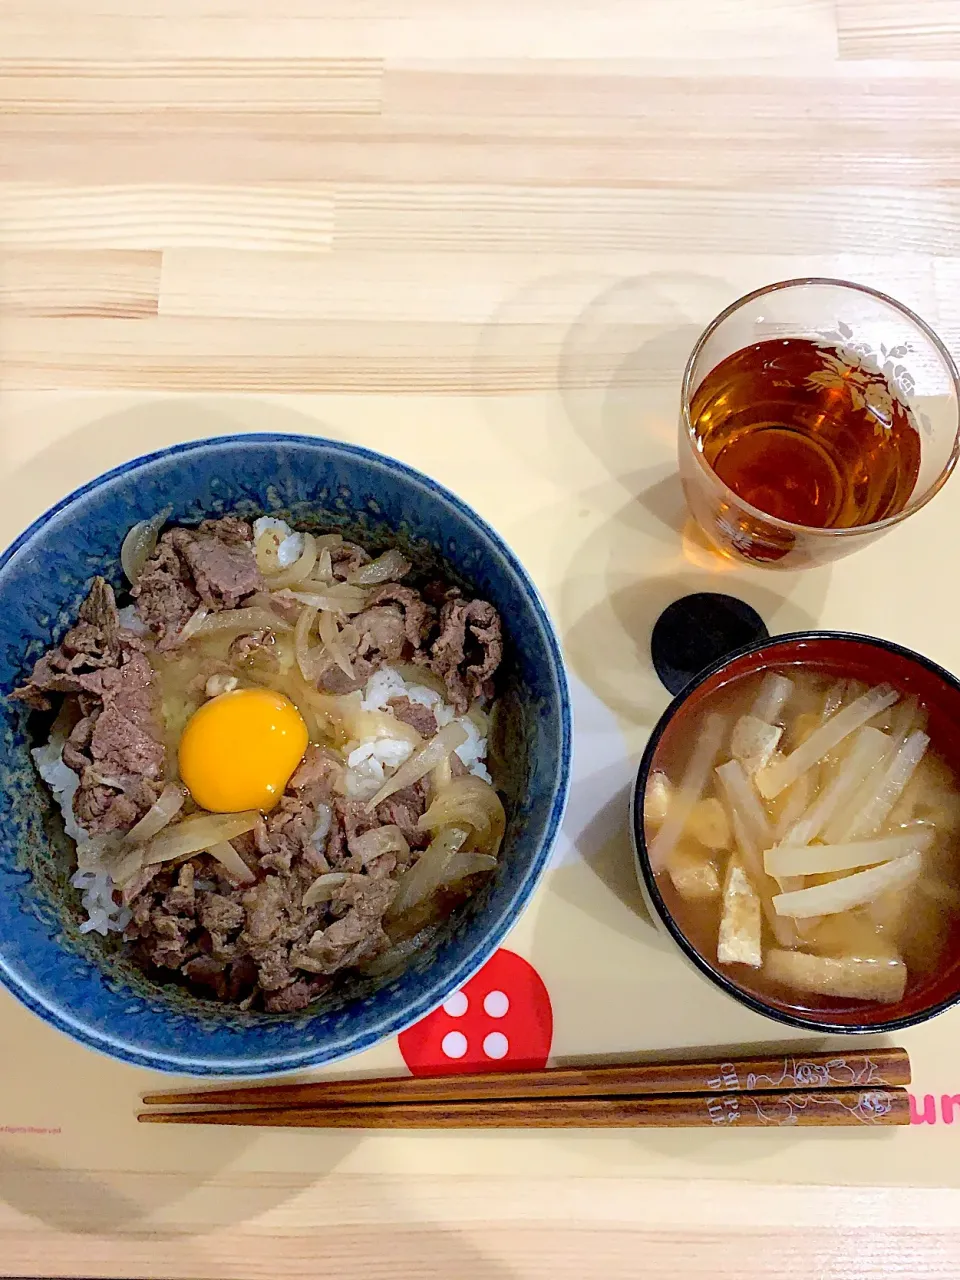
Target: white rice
x: 130, y: 620
x: 371, y: 762
x: 289, y: 544
x: 375, y: 759
x: 104, y: 915
x: 63, y: 782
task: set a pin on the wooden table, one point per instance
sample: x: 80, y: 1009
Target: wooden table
x: 395, y: 217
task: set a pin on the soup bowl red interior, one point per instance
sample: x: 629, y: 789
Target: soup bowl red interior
x: 837, y: 655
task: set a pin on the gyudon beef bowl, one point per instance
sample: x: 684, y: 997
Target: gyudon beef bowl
x: 285, y: 747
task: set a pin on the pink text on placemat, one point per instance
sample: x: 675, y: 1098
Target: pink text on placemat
x: 31, y: 1129
x: 924, y: 1110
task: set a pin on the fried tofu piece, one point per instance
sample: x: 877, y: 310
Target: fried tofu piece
x: 694, y: 873
x: 880, y: 978
x: 657, y: 800
x: 740, y: 920
x: 709, y: 825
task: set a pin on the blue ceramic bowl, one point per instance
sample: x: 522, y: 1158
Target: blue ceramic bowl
x: 84, y: 985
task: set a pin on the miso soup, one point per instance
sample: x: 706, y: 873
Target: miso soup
x: 805, y: 836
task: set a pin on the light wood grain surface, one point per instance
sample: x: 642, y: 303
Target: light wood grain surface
x: 320, y: 203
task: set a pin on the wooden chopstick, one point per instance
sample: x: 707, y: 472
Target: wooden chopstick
x: 863, y: 1108
x: 873, y: 1068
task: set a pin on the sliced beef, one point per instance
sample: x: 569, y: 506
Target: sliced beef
x: 346, y: 559
x: 135, y: 887
x: 214, y: 565
x: 393, y: 627
x: 289, y: 833
x: 129, y: 688
x: 336, y: 850
x: 115, y: 746
x: 383, y: 635
x: 295, y: 997
x: 96, y: 637
x: 381, y: 867
x: 369, y: 898
x: 219, y: 914
x: 332, y: 680
x: 165, y: 593
x: 117, y: 749
x: 353, y: 817
x: 101, y: 809
x: 120, y: 746
x: 316, y: 776
x: 182, y: 898
x: 274, y: 967
x: 357, y: 935
x: 241, y: 980
x: 229, y: 530
x: 96, y: 642
x: 170, y: 945
x: 468, y: 650
x: 48, y: 676
x: 224, y: 946
x: 224, y: 571
x: 205, y: 972
x: 416, y: 613
x: 76, y: 749
x: 403, y: 809
x: 343, y: 944
x: 260, y: 944
x: 415, y: 715
x: 263, y: 906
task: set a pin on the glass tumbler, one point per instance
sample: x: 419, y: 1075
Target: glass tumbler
x: 815, y: 415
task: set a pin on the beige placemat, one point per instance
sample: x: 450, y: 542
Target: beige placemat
x: 584, y: 488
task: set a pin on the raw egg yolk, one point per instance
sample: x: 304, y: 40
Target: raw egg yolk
x: 240, y: 749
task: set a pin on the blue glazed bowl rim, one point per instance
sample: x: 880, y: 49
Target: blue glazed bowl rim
x: 436, y: 990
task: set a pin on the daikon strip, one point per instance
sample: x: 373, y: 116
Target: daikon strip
x: 868, y: 750
x: 753, y: 742
x: 821, y: 859
x: 740, y: 920
x: 833, y: 700
x: 890, y: 786
x: 841, y: 824
x: 906, y: 718
x: 690, y: 790
x: 850, y: 891
x: 796, y: 801
x: 850, y: 977
x: 775, y: 777
x: 745, y: 802
x: 772, y: 697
